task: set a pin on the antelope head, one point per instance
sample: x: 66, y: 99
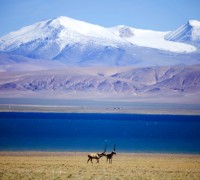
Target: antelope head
x: 114, y: 150
x: 103, y: 153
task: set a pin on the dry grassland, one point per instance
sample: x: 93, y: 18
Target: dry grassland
x: 74, y: 166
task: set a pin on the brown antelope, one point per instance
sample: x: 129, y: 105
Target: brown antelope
x: 96, y: 156
x: 109, y: 156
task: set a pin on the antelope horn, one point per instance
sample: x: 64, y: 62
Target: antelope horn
x: 114, y: 147
x: 105, y: 148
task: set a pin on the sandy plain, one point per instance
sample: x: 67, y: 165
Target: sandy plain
x: 73, y: 165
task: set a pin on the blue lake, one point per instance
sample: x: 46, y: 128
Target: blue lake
x: 90, y: 132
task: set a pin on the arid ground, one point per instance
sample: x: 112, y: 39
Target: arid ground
x: 56, y: 165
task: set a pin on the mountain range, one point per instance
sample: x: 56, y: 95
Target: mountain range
x: 64, y: 56
x: 77, y: 43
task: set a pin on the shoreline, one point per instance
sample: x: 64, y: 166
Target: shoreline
x: 83, y: 153
x: 104, y: 110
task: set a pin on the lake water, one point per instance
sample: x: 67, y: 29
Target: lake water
x: 91, y: 132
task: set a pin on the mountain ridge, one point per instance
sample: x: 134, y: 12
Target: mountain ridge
x: 79, y: 43
x: 128, y: 82
x: 188, y: 33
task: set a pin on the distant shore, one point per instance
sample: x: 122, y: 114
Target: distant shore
x: 84, y: 109
x: 73, y: 165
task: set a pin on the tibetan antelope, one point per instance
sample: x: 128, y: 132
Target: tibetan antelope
x: 109, y: 156
x: 96, y: 156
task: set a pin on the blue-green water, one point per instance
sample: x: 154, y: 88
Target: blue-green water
x: 89, y: 132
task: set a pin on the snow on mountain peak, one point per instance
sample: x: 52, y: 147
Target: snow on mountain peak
x: 83, y: 28
x: 188, y: 33
x: 76, y: 25
x: 194, y: 23
x: 46, y: 39
x: 151, y: 39
x: 72, y: 40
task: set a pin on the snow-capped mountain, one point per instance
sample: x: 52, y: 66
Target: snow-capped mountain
x: 49, y: 39
x: 78, y: 43
x: 46, y: 59
x: 188, y: 33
